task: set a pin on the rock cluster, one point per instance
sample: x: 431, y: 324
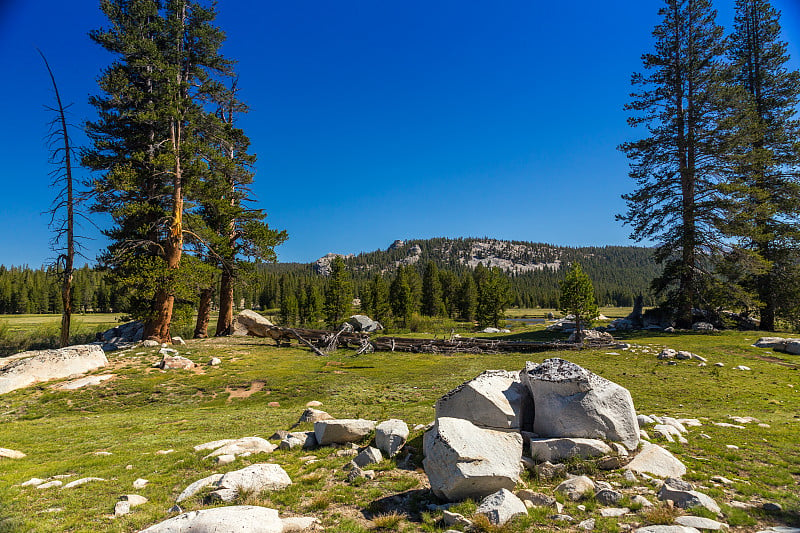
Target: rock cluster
x: 120, y: 337
x: 475, y: 445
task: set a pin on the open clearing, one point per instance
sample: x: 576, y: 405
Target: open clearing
x: 144, y: 410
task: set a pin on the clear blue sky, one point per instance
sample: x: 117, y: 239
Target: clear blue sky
x: 375, y: 121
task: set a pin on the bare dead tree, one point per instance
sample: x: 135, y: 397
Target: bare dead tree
x: 62, y: 210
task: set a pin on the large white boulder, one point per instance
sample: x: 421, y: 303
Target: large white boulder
x: 391, y: 436
x: 495, y: 399
x: 557, y: 450
x: 235, y: 518
x: 463, y: 460
x: 251, y: 323
x: 342, y: 431
x: 256, y: 478
x: 653, y: 459
x: 27, y: 368
x: 778, y: 343
x: 245, y: 445
x: 573, y: 402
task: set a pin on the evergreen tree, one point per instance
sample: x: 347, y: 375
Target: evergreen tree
x: 467, y: 297
x: 764, y: 186
x: 338, y: 295
x: 379, y: 297
x: 577, y: 298
x: 289, y: 310
x: 432, y: 304
x: 493, y: 298
x: 676, y: 167
x: 401, y: 297
x: 148, y: 143
x: 313, y: 304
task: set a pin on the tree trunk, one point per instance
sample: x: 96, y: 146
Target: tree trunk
x: 203, y: 314
x: 225, y: 320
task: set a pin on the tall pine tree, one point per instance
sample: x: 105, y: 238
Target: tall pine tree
x: 765, y: 182
x: 676, y: 167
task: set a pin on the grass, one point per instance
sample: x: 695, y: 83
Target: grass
x: 143, y: 410
x: 37, y: 332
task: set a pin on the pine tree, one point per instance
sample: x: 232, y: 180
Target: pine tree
x: 401, y: 297
x: 379, y: 298
x: 677, y: 166
x: 467, y: 297
x: 148, y: 142
x: 493, y: 297
x: 432, y: 304
x: 577, y: 298
x: 765, y: 183
x: 289, y: 309
x: 338, y: 295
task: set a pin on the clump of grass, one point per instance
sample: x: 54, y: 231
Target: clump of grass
x: 390, y: 521
x: 319, y: 503
x: 661, y: 514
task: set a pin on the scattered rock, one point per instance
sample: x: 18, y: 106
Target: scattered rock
x: 133, y: 499
x: 576, y: 488
x: 32, y: 482
x: 150, y: 343
x: 573, y: 402
x: 455, y: 519
x: 248, y: 518
x: 548, y: 470
x: 81, y: 481
x: 50, y: 484
x: 465, y: 461
x: 140, y: 483
x: 668, y: 432
x: 122, y: 508
x: 666, y: 529
x: 120, y: 337
x: 313, y: 415
x: 213, y: 445
x: 245, y: 445
x: 85, y: 382
x: 223, y: 460
x: 342, y: 430
x: 741, y: 367
x: 537, y: 499
x: 368, y: 456
x: 681, y: 493
x: 11, y: 454
x: 364, y: 323
x: 654, y: 459
x: 175, y: 362
x: 703, y: 326
x: 178, y: 340
x: 251, y: 323
x: 391, y: 436
x: 644, y: 420
x: 299, y: 523
x: 495, y: 399
x: 772, y: 507
x: 215, y: 361
x: 556, y: 450
x: 314, y: 403
x: 26, y: 368
x: 165, y: 452
x: 608, y: 497
x: 256, y: 478
x: 501, y: 506
x: 587, y: 525
x: 302, y: 439
x: 641, y: 500
x: 614, y: 511
x: 699, y: 522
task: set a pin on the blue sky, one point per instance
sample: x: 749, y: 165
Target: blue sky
x: 375, y: 121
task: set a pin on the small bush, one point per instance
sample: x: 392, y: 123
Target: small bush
x: 661, y: 514
x: 390, y: 521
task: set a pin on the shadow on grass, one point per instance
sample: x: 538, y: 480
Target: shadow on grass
x: 410, y: 503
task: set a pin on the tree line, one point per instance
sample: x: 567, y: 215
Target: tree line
x: 717, y: 169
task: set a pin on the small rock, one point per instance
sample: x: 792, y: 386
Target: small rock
x: 50, y: 484
x: 11, y: 454
x: 314, y: 403
x: 641, y: 500
x: 629, y: 476
x: 587, y: 525
x: 81, y: 481
x: 656, y: 460
x: 547, y: 470
x: 681, y: 493
x: 368, y: 457
x: 537, y: 499
x: 699, y: 522
x: 741, y: 367
x: 342, y: 430
x: 614, y: 511
x: 32, y: 482
x: 719, y: 364
x: 391, y: 436
x: 299, y: 523
x: 165, y: 452
x: 721, y: 480
x: 562, y: 518
x: 273, y: 404
x: 608, y: 497
x: 133, y: 499
x: 455, y: 519
x: 150, y: 343
x: 732, y: 446
x: 122, y: 508
x: 771, y: 507
x: 666, y: 529
x: 215, y: 361
x: 576, y: 488
x: 225, y: 459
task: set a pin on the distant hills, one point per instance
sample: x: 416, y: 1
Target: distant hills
x: 619, y: 273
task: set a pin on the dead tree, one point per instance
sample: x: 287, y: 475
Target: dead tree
x: 62, y: 210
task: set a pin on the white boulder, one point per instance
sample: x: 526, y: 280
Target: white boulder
x: 391, y: 436
x: 342, y: 431
x: 463, y: 460
x: 495, y: 399
x: 27, y: 368
x: 8, y: 453
x: 653, y: 459
x: 573, y: 402
x: 251, y: 323
x: 243, y: 518
x: 248, y: 445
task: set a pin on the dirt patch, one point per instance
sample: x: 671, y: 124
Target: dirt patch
x: 776, y: 360
x: 243, y: 392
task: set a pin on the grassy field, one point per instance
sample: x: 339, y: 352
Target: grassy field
x: 143, y: 410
